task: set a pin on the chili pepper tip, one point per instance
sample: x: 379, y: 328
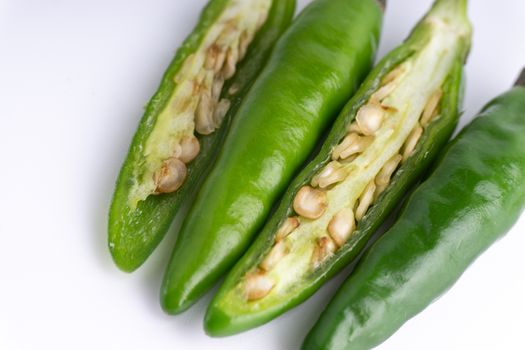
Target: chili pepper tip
x: 382, y: 4
x: 521, y: 79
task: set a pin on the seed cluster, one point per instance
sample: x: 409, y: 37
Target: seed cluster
x: 258, y: 283
x: 173, y: 171
x: 311, y: 200
x: 209, y: 74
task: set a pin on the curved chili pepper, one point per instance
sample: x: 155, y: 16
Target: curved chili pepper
x: 316, y: 65
x: 382, y: 142
x: 472, y: 198
x: 138, y: 221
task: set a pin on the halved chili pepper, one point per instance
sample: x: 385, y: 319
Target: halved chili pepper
x: 185, y: 122
x: 316, y: 65
x: 381, y: 143
x: 472, y: 198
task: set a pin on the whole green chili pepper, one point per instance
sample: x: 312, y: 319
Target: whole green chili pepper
x: 199, y: 94
x: 381, y: 143
x: 315, y: 66
x: 474, y: 195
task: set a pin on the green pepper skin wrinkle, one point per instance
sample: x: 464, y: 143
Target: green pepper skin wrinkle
x: 134, y: 234
x: 221, y: 318
x: 316, y: 65
x: 475, y: 194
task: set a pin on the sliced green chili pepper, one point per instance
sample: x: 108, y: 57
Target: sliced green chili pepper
x: 381, y: 143
x: 315, y: 67
x: 474, y: 195
x: 186, y: 120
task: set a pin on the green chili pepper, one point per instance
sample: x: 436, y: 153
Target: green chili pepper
x: 474, y: 195
x: 200, y: 93
x: 384, y: 139
x: 315, y: 67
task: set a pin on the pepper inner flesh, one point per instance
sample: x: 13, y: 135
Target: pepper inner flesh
x: 363, y: 164
x: 195, y: 106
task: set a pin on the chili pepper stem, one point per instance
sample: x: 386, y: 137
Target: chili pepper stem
x: 521, y: 79
x: 454, y: 6
x: 450, y: 12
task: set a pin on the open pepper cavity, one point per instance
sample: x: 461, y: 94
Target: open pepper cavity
x: 196, y: 105
x: 185, y: 122
x: 475, y: 194
x: 381, y: 143
x: 277, y: 127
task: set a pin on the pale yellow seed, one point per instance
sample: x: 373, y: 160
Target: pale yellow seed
x: 336, y: 177
x: 200, y: 79
x: 211, y: 57
x: 324, y: 248
x: 209, y: 78
x: 231, y: 62
x: 382, y: 93
x: 370, y: 118
x: 177, y: 151
x: 228, y: 32
x: 275, y: 255
x: 359, y: 146
x: 347, y: 142
x: 170, y: 176
x: 431, y: 108
x: 289, y: 225
x: 350, y: 159
x: 216, y: 88
x: 258, y: 285
x: 354, y: 128
x: 341, y: 226
x: 332, y: 173
x: 197, y: 88
x: 411, y: 142
x: 190, y: 148
x: 325, y: 172
x: 219, y: 61
x: 351, y: 144
x: 220, y: 111
x: 204, y: 115
x: 385, y: 175
x: 234, y: 89
x: 379, y: 189
x: 310, y: 203
x: 390, y: 77
x: 365, y: 201
x: 244, y: 42
x: 261, y: 20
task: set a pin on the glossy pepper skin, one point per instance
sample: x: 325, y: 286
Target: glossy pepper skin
x: 230, y: 312
x: 316, y: 65
x: 474, y: 195
x: 134, y: 234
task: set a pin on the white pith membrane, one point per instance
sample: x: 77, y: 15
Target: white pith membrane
x: 194, y: 106
x: 383, y: 136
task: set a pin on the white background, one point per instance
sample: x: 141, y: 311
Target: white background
x: 74, y: 76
